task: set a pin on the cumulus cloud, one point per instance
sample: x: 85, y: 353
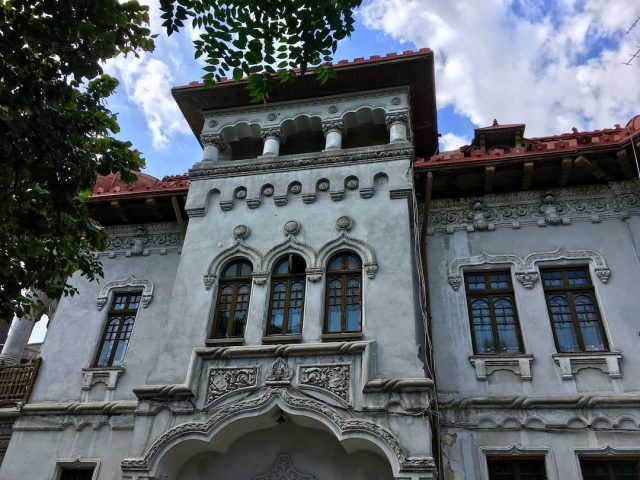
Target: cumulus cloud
x: 552, y: 65
x: 147, y: 82
x: 449, y: 141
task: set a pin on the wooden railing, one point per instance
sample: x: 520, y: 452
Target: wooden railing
x: 16, y: 381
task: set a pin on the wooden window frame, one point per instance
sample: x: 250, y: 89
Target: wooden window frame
x: 288, y: 279
x: 344, y: 274
x: 609, y: 460
x: 515, y: 459
x: 490, y: 295
x: 569, y: 291
x: 235, y: 282
x: 123, y: 314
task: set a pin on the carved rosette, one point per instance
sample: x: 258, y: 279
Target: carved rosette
x: 332, y: 126
x: 330, y: 378
x: 394, y: 118
x: 223, y: 381
x: 214, y: 140
x: 279, y: 373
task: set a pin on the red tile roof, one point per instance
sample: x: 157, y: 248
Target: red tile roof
x: 113, y: 185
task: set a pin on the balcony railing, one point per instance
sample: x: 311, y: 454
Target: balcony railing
x: 16, y: 381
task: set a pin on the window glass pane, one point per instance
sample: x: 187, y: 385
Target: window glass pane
x: 107, y: 343
x: 353, y: 262
x: 298, y: 265
x: 476, y: 282
x: 517, y: 469
x: 481, y: 320
x: 610, y: 469
x: 123, y: 341
x: 506, y: 324
x: 334, y: 316
x: 563, y: 324
x: 552, y: 278
x: 76, y: 474
x: 238, y: 268
x: 353, y: 305
x: 589, y: 324
x: 277, y: 307
x: 336, y: 263
x: 577, y: 278
x: 119, y: 302
x: 245, y: 269
x: 282, y: 266
x: 499, y: 280
x: 296, y: 300
x: 223, y: 310
x: 241, y: 309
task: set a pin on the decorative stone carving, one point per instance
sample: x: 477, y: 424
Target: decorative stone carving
x: 130, y: 240
x: 295, y: 187
x: 283, y: 470
x: 275, y: 132
x: 108, y: 376
x: 213, y: 123
x: 330, y: 378
x: 594, y: 203
x: 485, y: 365
x: 455, y: 269
x: 396, y: 101
x: 332, y: 126
x: 323, y: 185
x: 352, y: 183
x: 241, y: 193
x: 272, y: 116
x: 478, y: 216
x: 241, y: 232
x: 393, y: 118
x: 344, y: 240
x: 239, y: 248
x: 527, y: 278
x: 600, y: 267
x: 279, y: 373
x: 215, y: 140
x: 291, y: 228
x: 571, y: 363
x: 344, y: 223
x: 131, y: 282
x: 314, y: 274
x: 332, y: 109
x: 226, y: 380
x: 267, y: 190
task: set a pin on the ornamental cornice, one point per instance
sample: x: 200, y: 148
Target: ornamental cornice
x: 135, y: 240
x: 516, y: 402
x: 595, y: 203
x: 206, y: 170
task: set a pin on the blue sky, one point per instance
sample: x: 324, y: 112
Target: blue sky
x: 553, y: 65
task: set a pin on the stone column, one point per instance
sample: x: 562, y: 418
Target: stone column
x: 272, y: 138
x: 213, y: 144
x: 19, y: 333
x: 333, y: 134
x: 397, y: 125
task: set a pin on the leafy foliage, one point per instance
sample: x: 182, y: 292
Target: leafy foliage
x: 56, y: 136
x: 263, y: 39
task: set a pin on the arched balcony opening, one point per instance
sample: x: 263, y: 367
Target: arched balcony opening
x: 365, y: 127
x: 243, y: 141
x: 302, y: 134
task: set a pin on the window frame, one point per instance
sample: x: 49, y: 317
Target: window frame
x: 288, y: 279
x: 111, y: 313
x: 235, y: 282
x: 62, y: 464
x: 568, y: 291
x: 491, y: 295
x: 516, y: 459
x: 608, y: 459
x: 343, y: 275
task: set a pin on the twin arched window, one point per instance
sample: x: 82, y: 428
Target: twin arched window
x: 343, y: 305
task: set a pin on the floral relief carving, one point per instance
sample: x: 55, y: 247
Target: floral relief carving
x: 334, y: 379
x: 133, y: 282
x: 223, y: 381
x: 283, y: 470
x: 279, y: 373
x: 138, y: 240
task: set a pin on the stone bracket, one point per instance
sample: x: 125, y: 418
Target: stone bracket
x: 486, y: 365
x: 108, y: 376
x: 571, y: 363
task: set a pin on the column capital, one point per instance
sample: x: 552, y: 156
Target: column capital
x: 393, y: 118
x: 272, y: 132
x: 213, y: 139
x: 332, y: 126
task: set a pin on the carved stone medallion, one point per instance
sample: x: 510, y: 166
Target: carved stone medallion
x: 283, y: 470
x: 279, y: 373
x: 331, y: 378
x: 223, y: 381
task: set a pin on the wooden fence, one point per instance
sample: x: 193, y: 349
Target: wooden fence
x: 16, y: 381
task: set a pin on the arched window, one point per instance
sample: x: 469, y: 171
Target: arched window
x: 287, y: 296
x: 117, y: 333
x: 343, y: 306
x: 233, y: 300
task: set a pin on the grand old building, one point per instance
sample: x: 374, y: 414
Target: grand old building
x: 323, y: 297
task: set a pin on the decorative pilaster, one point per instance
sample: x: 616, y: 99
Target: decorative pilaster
x: 333, y: 134
x: 272, y: 138
x: 397, y: 125
x: 213, y: 144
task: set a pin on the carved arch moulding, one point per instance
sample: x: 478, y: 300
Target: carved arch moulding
x: 131, y: 282
x: 335, y: 421
x: 316, y: 259
x: 525, y: 269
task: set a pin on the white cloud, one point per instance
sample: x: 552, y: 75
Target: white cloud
x: 450, y: 141
x: 552, y: 70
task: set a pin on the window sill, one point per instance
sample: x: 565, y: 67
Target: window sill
x: 338, y: 337
x: 282, y: 338
x: 224, y: 341
x: 107, y: 375
x: 518, y: 363
x: 570, y: 363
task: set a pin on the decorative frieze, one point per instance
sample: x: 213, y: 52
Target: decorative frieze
x: 332, y: 378
x: 133, y: 240
x: 616, y: 200
x: 226, y: 380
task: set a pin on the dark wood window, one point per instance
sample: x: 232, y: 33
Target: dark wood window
x: 516, y: 468
x: 232, y: 306
x: 492, y: 312
x: 577, y: 326
x: 344, y: 294
x: 287, y: 296
x: 610, y: 468
x: 76, y: 473
x: 117, y: 332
